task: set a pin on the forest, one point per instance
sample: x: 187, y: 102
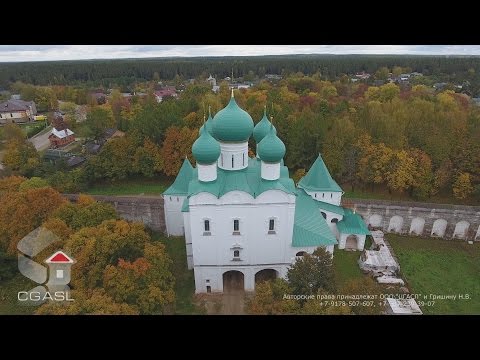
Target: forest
x: 125, y: 72
x: 414, y: 141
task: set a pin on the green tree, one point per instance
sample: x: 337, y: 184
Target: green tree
x: 311, y: 273
x: 99, y: 119
x: 85, y: 214
x: 33, y: 183
x: 382, y: 73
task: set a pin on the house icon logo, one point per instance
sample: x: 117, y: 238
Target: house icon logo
x: 59, y: 265
x: 52, y: 279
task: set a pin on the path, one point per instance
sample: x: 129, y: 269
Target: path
x: 40, y: 141
x: 233, y: 302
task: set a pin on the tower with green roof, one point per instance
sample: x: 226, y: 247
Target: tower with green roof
x: 232, y: 127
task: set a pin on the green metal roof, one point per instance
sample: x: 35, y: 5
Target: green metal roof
x: 271, y: 148
x: 262, y: 128
x: 185, y: 207
x: 248, y: 180
x: 352, y: 224
x: 232, y: 123
x: 330, y: 207
x: 180, y: 185
x: 310, y: 228
x: 206, y: 149
x: 318, y: 178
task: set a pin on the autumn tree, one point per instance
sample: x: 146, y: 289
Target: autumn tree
x: 298, y: 175
x: 87, y: 302
x: 312, y: 272
x: 382, y: 73
x: 33, y: 206
x: 269, y: 299
x: 176, y: 146
x: 462, y: 186
x: 94, y: 248
x: 21, y: 156
x: 145, y: 283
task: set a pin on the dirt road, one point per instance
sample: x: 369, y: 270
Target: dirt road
x: 40, y: 141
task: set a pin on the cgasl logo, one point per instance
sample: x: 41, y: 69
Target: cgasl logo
x: 53, y: 280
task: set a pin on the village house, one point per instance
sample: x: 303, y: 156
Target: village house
x: 17, y: 111
x: 61, y: 135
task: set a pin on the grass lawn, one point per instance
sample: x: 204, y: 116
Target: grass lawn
x: 184, y: 280
x: 137, y: 186
x: 346, y: 266
x: 441, y: 267
x: 8, y: 296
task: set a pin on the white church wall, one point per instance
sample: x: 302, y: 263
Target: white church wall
x: 254, y: 242
x: 188, y: 240
x: 270, y: 171
x: 173, y: 214
x: 237, y: 151
x: 208, y: 172
x: 334, y: 198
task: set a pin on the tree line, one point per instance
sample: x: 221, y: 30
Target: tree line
x: 125, y: 72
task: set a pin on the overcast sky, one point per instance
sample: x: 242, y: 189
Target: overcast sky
x: 72, y: 52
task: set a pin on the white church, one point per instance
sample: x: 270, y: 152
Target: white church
x: 243, y: 218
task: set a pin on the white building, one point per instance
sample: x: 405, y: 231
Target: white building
x: 243, y: 218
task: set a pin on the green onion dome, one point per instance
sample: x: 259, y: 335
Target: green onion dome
x: 232, y: 123
x: 262, y: 128
x: 271, y: 149
x: 206, y: 149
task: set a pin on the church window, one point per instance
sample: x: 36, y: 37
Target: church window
x: 236, y: 254
x: 178, y: 199
x: 232, y: 162
x: 206, y: 225
x: 324, y: 215
x: 323, y: 195
x: 331, y: 195
x: 170, y: 198
x: 300, y: 253
x: 315, y: 195
x: 271, y: 226
x: 236, y: 227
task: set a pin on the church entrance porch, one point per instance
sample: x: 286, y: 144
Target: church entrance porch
x: 351, y: 243
x: 265, y: 275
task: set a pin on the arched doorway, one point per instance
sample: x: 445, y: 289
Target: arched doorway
x: 265, y: 275
x: 351, y: 243
x: 233, y: 281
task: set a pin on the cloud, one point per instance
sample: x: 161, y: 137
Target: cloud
x: 10, y: 53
